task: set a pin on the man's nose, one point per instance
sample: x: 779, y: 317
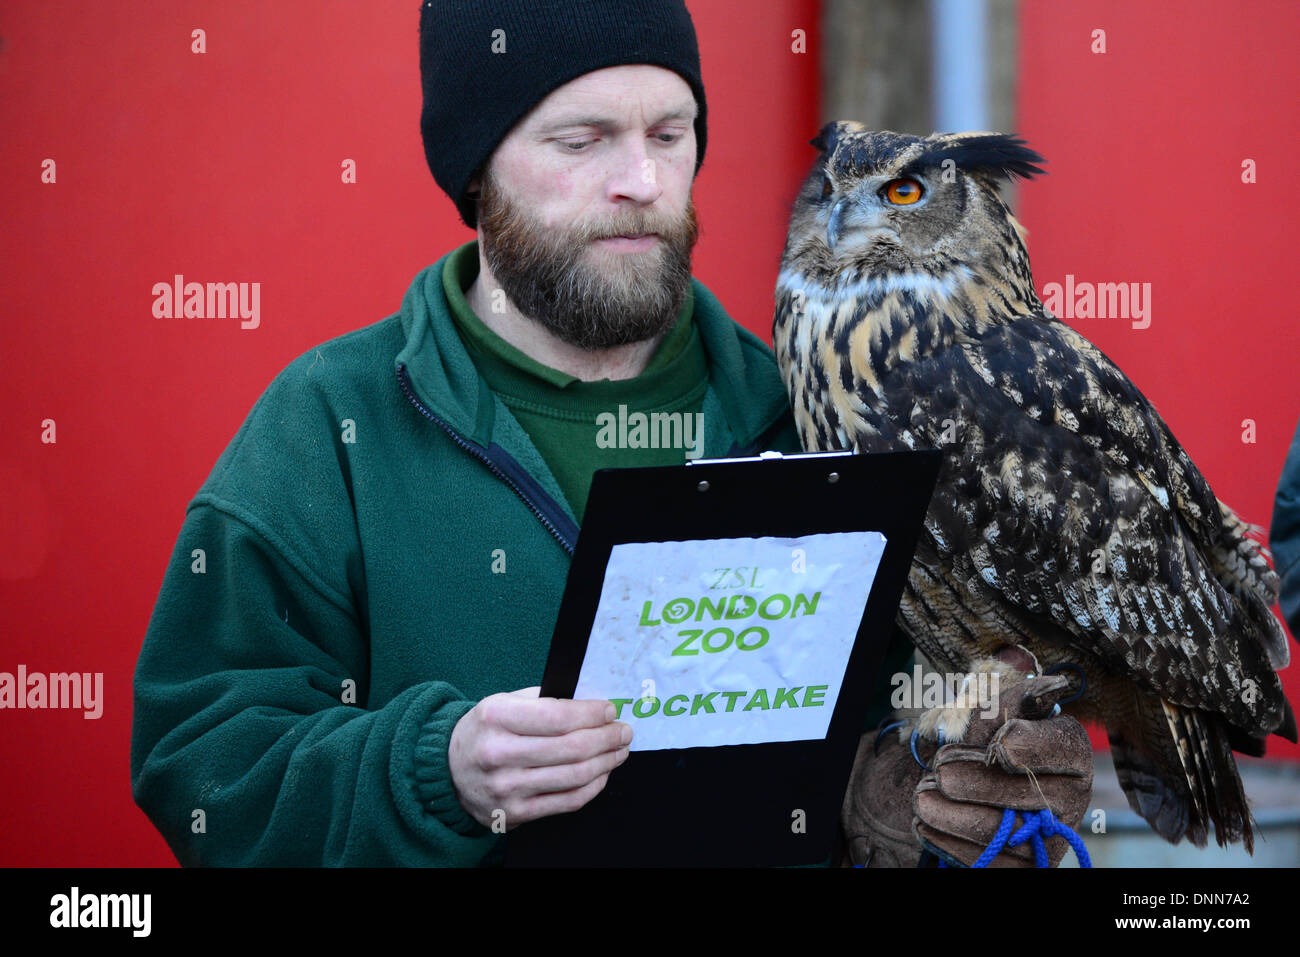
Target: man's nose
x: 636, y: 176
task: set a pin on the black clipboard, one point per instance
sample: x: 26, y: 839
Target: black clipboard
x: 732, y: 805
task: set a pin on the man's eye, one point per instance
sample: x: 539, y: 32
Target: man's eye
x: 575, y: 146
x: 668, y: 137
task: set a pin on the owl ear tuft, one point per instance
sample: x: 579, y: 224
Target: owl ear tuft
x: 993, y: 155
x: 826, y: 138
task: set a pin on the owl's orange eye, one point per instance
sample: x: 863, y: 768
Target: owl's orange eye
x: 827, y: 188
x: 903, y: 192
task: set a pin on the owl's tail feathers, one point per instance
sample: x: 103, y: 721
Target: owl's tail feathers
x: 1243, y: 565
x: 1178, y: 773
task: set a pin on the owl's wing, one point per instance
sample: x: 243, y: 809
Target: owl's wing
x: 1066, y: 494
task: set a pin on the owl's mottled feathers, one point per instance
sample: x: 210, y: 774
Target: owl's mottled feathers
x: 1067, y: 518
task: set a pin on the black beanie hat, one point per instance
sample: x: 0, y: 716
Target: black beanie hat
x: 473, y: 96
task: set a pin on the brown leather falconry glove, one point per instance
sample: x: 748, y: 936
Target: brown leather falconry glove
x: 1018, y: 757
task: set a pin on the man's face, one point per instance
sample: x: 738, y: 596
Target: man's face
x: 585, y: 208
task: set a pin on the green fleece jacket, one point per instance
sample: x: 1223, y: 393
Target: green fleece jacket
x: 330, y: 610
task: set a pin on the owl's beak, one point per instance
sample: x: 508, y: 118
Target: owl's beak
x: 851, y: 216
x: 834, y: 225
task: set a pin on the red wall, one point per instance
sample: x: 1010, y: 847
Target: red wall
x: 225, y: 167
x: 1145, y: 144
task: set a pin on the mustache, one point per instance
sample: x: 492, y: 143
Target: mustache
x: 628, y: 224
x: 505, y: 222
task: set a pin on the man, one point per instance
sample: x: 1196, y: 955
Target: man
x: 342, y: 665
x: 1284, y: 535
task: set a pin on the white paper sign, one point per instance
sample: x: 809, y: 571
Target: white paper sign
x: 728, y: 641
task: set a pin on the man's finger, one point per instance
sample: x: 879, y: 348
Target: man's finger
x: 1058, y: 746
x: 545, y: 805
x: 1029, y: 765
x: 541, y: 751
x: 544, y: 716
x: 557, y: 779
x: 963, y: 830
x: 975, y: 783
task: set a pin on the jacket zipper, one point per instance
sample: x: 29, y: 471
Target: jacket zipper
x: 402, y: 380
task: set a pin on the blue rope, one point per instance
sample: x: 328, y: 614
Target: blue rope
x: 1083, y: 682
x: 1038, y: 825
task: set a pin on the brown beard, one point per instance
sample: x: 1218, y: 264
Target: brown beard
x: 551, y: 275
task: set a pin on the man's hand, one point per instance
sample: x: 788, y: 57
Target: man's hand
x: 1021, y: 758
x: 531, y: 757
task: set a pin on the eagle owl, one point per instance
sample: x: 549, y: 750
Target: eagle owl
x: 1067, y: 518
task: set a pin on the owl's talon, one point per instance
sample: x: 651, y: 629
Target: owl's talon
x: 880, y: 735
x: 915, y: 756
